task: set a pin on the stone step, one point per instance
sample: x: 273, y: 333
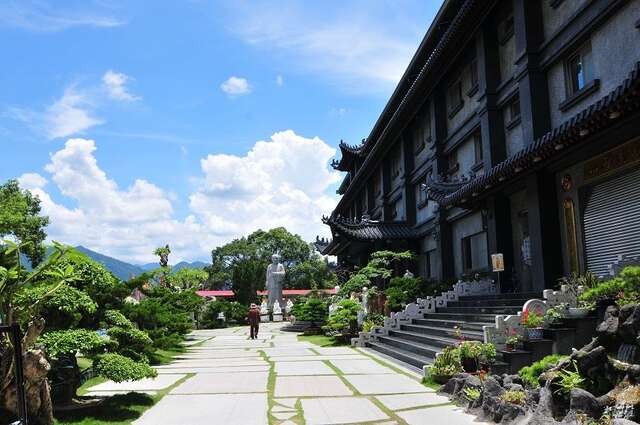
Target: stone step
x: 508, y: 309
x: 509, y: 296
x: 418, y: 348
x: 436, y: 341
x: 408, y: 357
x: 461, y: 317
x: 486, y: 303
x: 451, y: 324
x: 444, y: 331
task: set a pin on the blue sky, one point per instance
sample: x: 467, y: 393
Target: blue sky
x: 192, y: 122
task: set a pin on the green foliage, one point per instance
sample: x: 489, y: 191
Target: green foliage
x: 62, y: 306
x: 446, y: 363
x: 298, y: 304
x: 514, y: 396
x: 625, y: 288
x: 402, y: 291
x: 115, y: 318
x: 119, y: 368
x: 165, y: 314
x: 20, y: 218
x: 233, y: 312
x: 187, y: 278
x: 313, y: 273
x: 554, y: 314
x: 531, y: 319
x: 72, y: 341
x: 472, y: 394
x: 344, y: 320
x: 132, y: 342
x: 355, y: 284
x: 530, y: 374
x: 314, y: 310
x: 248, y: 276
x: 569, y: 380
x: 372, y: 320
x: 477, y: 350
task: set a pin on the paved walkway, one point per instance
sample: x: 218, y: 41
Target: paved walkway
x: 225, y: 378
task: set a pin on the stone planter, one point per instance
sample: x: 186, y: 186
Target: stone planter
x: 577, y: 313
x: 441, y: 379
x: 470, y: 365
x: 534, y: 334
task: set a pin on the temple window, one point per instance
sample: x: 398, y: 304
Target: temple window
x: 396, y: 163
x: 579, y: 69
x: 454, y: 97
x: 422, y: 132
x: 474, y: 252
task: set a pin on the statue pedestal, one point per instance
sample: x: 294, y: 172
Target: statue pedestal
x: 264, y: 317
x: 277, y: 317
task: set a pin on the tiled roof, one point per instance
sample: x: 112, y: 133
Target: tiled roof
x: 624, y: 99
x: 367, y: 230
x: 348, y: 154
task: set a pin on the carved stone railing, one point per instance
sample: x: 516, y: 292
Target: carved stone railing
x: 506, y: 325
x: 422, y: 306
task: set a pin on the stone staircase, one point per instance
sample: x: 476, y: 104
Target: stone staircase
x: 417, y: 342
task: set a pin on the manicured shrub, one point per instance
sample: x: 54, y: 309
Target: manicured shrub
x: 530, y: 374
x: 119, y: 368
x: 344, y: 320
x: 314, y: 310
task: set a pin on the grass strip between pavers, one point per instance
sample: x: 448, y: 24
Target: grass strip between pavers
x: 120, y: 409
x: 271, y: 402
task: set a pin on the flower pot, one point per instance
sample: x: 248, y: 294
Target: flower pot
x: 441, y: 379
x: 534, y: 334
x: 577, y: 313
x: 511, y: 347
x: 470, y: 364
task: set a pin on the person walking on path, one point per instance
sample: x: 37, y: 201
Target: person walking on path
x: 254, y: 320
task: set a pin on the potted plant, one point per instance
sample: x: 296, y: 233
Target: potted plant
x: 576, y: 284
x: 512, y: 342
x: 553, y: 317
x: 532, y: 322
x: 487, y: 357
x: 446, y: 365
x: 469, y: 355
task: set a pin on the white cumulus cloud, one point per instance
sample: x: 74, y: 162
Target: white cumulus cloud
x: 115, y: 84
x: 69, y: 115
x: 31, y: 181
x: 236, y: 86
x: 279, y: 182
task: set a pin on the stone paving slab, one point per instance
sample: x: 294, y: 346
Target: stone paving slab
x: 111, y: 393
x: 303, y: 368
x: 407, y: 401
x: 288, y: 402
x: 221, y: 369
x: 208, y: 409
x: 338, y: 411
x: 275, y: 352
x: 215, y: 363
x: 449, y: 415
x: 335, y: 351
x: 159, y: 383
x: 306, y: 358
x: 310, y: 386
x: 239, y: 382
x: 365, y: 366
x: 385, y: 384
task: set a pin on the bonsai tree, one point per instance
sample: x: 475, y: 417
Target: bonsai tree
x: 13, y: 277
x: 76, y: 324
x: 344, y: 320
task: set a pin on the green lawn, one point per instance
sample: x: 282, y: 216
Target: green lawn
x: 119, y: 409
x: 322, y: 340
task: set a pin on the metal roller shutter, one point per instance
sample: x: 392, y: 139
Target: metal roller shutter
x: 612, y: 222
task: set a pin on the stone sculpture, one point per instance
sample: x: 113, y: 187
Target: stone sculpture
x: 275, y: 276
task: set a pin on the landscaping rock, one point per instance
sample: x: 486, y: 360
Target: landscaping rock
x: 492, y: 388
x: 624, y: 422
x: 514, y: 387
x: 585, y: 402
x: 591, y: 363
x: 511, y: 379
x: 608, y: 330
x: 629, y: 323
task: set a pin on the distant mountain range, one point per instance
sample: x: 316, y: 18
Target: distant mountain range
x: 125, y: 271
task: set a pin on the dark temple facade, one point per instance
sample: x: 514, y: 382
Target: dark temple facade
x: 515, y: 130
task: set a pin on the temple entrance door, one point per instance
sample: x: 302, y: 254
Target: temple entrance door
x: 521, y: 273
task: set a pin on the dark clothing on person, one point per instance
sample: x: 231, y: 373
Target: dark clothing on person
x: 254, y: 322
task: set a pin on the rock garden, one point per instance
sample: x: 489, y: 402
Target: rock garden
x: 598, y: 384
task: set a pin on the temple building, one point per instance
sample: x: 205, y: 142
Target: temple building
x: 515, y: 130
